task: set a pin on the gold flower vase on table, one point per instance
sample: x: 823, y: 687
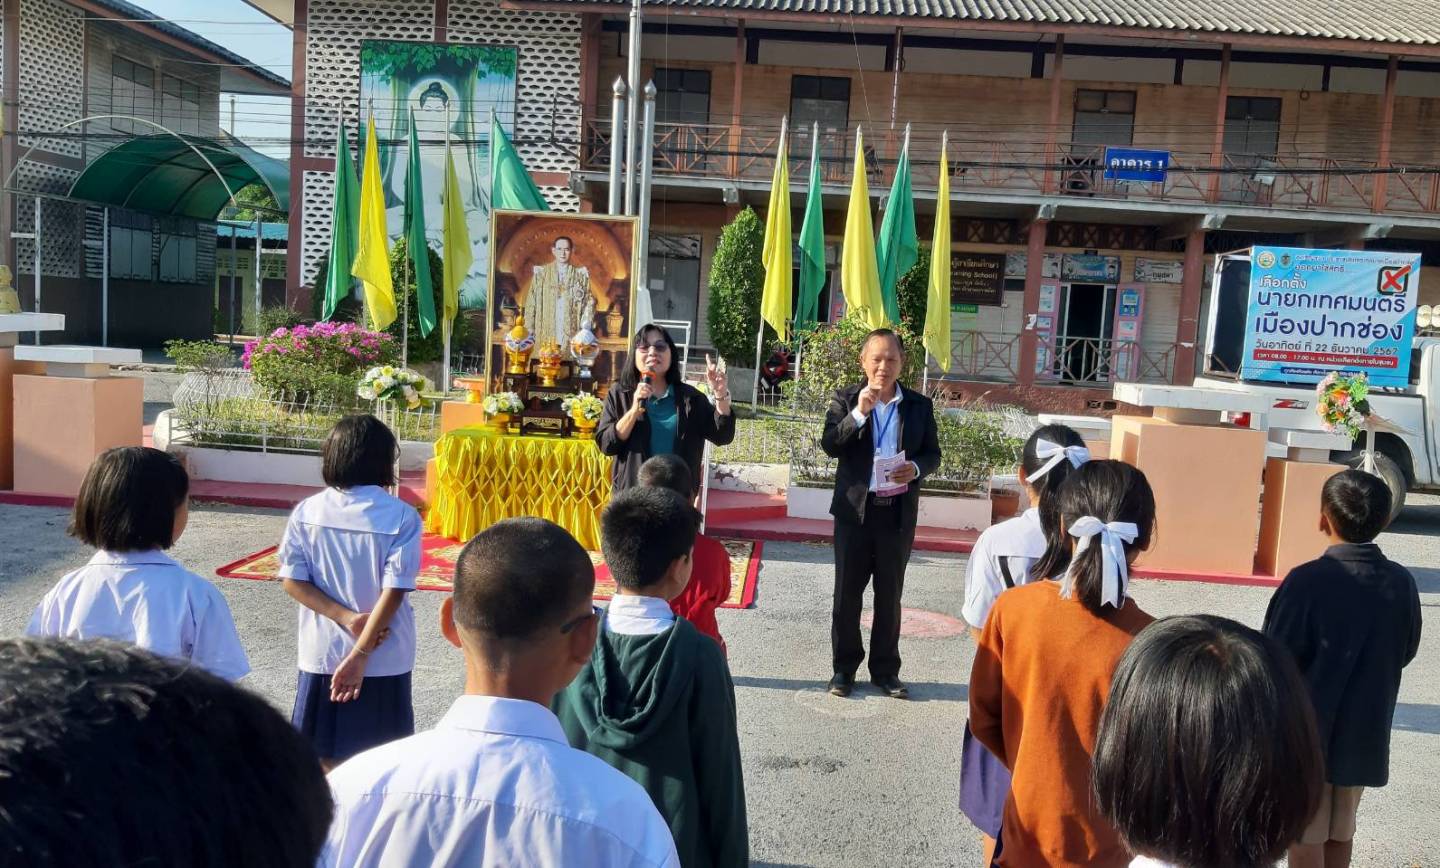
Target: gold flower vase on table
x: 550, y: 363
x: 519, y: 344
x: 499, y: 422
x: 584, y: 428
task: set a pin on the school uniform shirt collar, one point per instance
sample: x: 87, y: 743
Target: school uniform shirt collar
x: 1020, y: 537
x: 1363, y: 552
x: 365, y: 508
x: 500, y: 715
x: 638, y: 616
x: 130, y: 559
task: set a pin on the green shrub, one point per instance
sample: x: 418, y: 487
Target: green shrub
x: 830, y: 360
x: 421, y: 349
x: 278, y: 316
x: 737, y: 277
x: 204, y: 357
x: 913, y: 291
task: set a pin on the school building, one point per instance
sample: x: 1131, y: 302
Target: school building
x: 1298, y: 123
x: 111, y: 147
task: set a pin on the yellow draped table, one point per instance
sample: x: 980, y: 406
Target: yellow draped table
x: 483, y: 477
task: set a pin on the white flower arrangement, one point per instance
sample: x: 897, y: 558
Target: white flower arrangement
x: 388, y: 383
x: 589, y: 406
x: 502, y: 402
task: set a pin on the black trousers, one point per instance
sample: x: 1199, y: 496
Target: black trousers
x: 879, y: 548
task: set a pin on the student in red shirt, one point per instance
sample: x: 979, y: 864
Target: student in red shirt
x: 710, y: 577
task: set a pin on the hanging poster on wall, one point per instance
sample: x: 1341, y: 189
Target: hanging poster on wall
x: 1159, y: 270
x: 976, y: 278
x: 1017, y: 263
x: 443, y: 84
x: 1090, y: 267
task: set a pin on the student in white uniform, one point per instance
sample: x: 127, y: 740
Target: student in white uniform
x: 1006, y: 555
x: 1208, y: 752
x: 134, y: 504
x: 495, y: 783
x: 349, y: 557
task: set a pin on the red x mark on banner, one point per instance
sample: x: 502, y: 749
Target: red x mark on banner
x: 1391, y: 279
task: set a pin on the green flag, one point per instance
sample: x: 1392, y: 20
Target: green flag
x: 344, y: 227
x: 897, y: 248
x: 511, y: 186
x: 415, y: 241
x: 812, y: 244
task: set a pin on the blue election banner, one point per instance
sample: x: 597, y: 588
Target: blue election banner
x: 1129, y: 164
x: 1316, y: 311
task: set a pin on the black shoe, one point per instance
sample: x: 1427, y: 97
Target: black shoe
x: 841, y: 684
x: 892, y: 687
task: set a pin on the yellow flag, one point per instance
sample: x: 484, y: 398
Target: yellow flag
x: 458, y: 255
x: 372, y: 255
x: 937, y: 301
x: 775, y: 300
x: 859, y: 276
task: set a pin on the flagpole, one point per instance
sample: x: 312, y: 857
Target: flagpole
x: 445, y: 333
x: 405, y: 295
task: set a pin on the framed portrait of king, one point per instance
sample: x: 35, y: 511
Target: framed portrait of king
x: 568, y: 276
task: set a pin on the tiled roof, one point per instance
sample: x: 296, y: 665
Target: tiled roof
x: 1409, y: 22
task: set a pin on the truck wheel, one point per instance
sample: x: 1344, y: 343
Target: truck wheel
x: 1388, y: 470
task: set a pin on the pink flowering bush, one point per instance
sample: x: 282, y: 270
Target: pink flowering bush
x: 316, y: 363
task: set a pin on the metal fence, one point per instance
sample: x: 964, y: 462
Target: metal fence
x: 226, y: 409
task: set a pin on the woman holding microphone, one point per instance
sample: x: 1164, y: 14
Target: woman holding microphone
x: 651, y: 411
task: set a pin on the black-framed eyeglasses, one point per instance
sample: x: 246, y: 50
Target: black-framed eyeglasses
x: 595, y: 612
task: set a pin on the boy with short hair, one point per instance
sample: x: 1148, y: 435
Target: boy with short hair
x: 495, y: 783
x: 112, y: 755
x: 1352, y: 619
x: 709, y: 584
x: 655, y: 700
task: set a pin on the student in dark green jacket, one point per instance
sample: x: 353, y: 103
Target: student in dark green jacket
x: 656, y: 700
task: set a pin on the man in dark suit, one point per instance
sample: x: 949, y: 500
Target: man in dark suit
x: 875, y: 513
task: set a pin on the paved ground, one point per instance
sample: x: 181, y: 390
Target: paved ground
x: 866, y: 781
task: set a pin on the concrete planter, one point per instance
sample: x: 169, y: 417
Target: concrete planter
x: 236, y: 465
x: 755, y: 478
x: 951, y: 512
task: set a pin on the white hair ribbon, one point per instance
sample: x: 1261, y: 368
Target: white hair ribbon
x: 1113, y: 536
x: 1056, y: 453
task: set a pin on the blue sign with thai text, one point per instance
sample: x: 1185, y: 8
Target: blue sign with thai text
x: 1316, y: 311
x: 1130, y: 164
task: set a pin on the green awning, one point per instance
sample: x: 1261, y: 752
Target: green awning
x: 163, y: 175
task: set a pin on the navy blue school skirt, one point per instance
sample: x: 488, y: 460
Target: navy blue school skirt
x: 984, y: 785
x: 339, y: 730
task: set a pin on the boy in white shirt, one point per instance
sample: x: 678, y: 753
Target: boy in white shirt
x: 133, y: 504
x: 495, y: 783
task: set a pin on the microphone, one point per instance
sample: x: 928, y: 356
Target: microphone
x: 648, y: 378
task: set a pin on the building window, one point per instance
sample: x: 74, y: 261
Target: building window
x: 132, y: 92
x: 823, y: 100
x: 180, y: 105
x: 1104, y: 117
x: 1252, y: 126
x: 683, y: 96
x: 130, y: 245
x: 177, y: 251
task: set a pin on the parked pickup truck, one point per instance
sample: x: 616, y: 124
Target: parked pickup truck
x: 1408, y: 461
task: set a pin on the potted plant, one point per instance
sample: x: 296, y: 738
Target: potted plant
x: 386, y: 383
x: 584, y: 410
x: 500, y: 409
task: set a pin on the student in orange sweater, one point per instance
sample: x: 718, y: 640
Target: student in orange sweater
x: 1042, y: 673
x: 709, y: 584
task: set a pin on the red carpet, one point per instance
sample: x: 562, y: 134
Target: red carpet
x: 437, y: 565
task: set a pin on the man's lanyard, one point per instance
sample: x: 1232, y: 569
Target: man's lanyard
x: 883, y: 428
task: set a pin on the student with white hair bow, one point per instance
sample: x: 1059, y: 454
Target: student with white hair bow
x: 1044, y: 664
x: 1006, y: 555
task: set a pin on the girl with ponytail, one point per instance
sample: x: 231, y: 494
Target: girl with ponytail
x: 1043, y: 668
x: 1008, y: 554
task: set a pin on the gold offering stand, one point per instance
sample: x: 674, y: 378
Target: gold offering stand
x: 542, y: 376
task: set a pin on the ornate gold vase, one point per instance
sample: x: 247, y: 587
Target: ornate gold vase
x: 519, y: 344
x: 550, y: 363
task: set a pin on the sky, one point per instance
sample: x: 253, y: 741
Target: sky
x: 263, y: 122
